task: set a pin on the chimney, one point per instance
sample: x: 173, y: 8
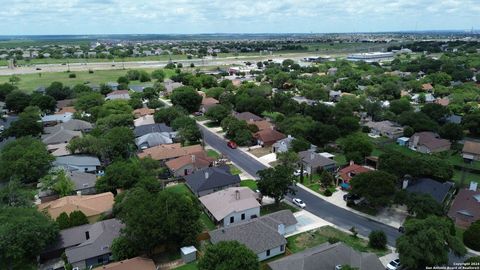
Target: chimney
x: 473, y: 186
x: 87, y: 235
x: 237, y: 194
x: 352, y: 162
x: 281, y: 229
x: 79, y: 193
x: 206, y: 175
x: 289, y: 136
x: 312, y: 155
x: 193, y: 158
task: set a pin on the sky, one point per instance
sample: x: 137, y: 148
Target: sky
x: 51, y: 17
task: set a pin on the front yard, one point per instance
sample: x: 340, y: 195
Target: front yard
x: 252, y: 184
x: 271, y: 208
x: 260, y: 151
x: 300, y: 242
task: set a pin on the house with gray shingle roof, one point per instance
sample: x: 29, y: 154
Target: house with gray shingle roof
x: 82, y: 163
x: 328, y: 256
x: 153, y: 139
x: 313, y: 161
x: 60, y: 136
x: 265, y: 235
x: 211, y: 179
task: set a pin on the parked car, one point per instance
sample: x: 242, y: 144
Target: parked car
x: 394, y: 265
x: 38, y: 68
x: 401, y: 229
x: 298, y: 172
x: 198, y: 113
x: 350, y: 197
x: 299, y: 203
x: 232, y: 144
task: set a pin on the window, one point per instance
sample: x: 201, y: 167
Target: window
x: 232, y: 219
x: 243, y: 216
x: 282, y: 248
x: 268, y: 252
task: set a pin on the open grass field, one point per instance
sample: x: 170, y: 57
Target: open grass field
x: 322, y: 235
x: 30, y: 82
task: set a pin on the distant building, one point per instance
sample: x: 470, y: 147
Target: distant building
x: 465, y: 208
x: 371, y: 57
x: 313, y: 162
x: 471, y: 150
x: 385, y: 128
x: 212, y: 179
x: 428, y: 142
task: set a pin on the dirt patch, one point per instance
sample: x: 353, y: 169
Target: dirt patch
x: 260, y: 152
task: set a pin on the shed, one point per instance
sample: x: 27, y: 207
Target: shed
x: 189, y: 254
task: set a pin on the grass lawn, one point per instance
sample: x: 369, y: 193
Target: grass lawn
x: 207, y: 222
x: 190, y: 266
x: 459, y: 233
x: 180, y: 189
x: 319, y: 236
x: 234, y: 170
x: 271, y: 208
x: 252, y: 184
x: 201, y: 118
x: 469, y: 177
x: 457, y: 159
x: 212, y: 124
x: 30, y: 82
x: 213, y: 154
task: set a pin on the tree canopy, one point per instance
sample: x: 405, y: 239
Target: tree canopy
x: 276, y: 182
x: 228, y: 255
x: 377, y: 187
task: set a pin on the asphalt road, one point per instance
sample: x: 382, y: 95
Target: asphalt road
x: 323, y: 209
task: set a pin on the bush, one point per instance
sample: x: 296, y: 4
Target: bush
x: 333, y: 240
x: 377, y: 239
x: 327, y: 193
x: 471, y: 237
x: 90, y: 71
x: 72, y: 75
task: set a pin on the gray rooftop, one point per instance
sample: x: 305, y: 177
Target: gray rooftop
x: 259, y: 234
x: 73, y: 124
x: 436, y: 189
x: 101, y: 235
x: 248, y: 116
x: 153, y: 139
x: 60, y: 136
x: 77, y: 160
x: 82, y: 180
x: 327, y: 256
x: 210, y: 178
x: 145, y: 129
x: 315, y: 159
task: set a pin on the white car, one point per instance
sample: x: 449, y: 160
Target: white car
x: 298, y: 172
x: 299, y: 203
x: 394, y: 265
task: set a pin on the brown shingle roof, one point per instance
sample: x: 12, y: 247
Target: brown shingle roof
x: 471, y: 147
x: 262, y: 125
x: 66, y: 109
x: 427, y: 87
x: 430, y: 140
x: 269, y: 135
x: 143, y: 112
x: 465, y: 208
x: 137, y: 263
x: 90, y: 205
x: 201, y: 160
x: 169, y: 151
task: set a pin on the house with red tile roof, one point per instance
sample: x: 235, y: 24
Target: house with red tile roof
x: 347, y: 173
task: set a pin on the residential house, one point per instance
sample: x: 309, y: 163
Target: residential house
x: 332, y: 71
x: 144, y: 120
x: 137, y: 263
x: 347, y: 173
x: 465, y: 208
x: 159, y: 127
x: 471, y: 150
x: 82, y: 163
x: 205, y: 181
x: 428, y: 142
x: 53, y: 119
x: 137, y: 88
x: 443, y: 101
x: 118, y: 94
x: 61, y: 136
x: 247, y: 116
x: 231, y: 205
x: 113, y: 85
x: 387, y: 128
x: 328, y: 256
x: 84, y: 184
x: 152, y: 139
x: 313, y: 162
x: 188, y: 164
x: 427, y: 87
x: 170, y: 86
x: 335, y: 95
x: 268, y: 137
x: 65, y: 103
x: 429, y: 98
x: 262, y: 125
x: 300, y: 100
x: 438, y: 190
x: 207, y: 103
x: 58, y: 150
x: 143, y: 112
x: 68, y: 109
x: 456, y: 119
x: 265, y: 235
x: 165, y: 152
x: 93, y: 206
x: 85, y: 246
x: 282, y: 145
x: 73, y: 125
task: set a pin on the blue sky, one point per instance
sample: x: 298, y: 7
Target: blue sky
x: 37, y: 17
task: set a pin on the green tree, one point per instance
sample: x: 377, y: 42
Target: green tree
x: 188, y: 131
x: 451, y: 131
x: 17, y: 101
x: 348, y: 125
x: 356, y: 147
x: 423, y: 205
x: 377, y: 239
x: 117, y: 106
x: 215, y: 92
x: 15, y: 195
x: 435, y: 111
x: 133, y: 75
x: 27, y: 124
x: 77, y: 218
x: 377, y: 187
x: 122, y: 249
x: 299, y: 145
x: 326, y: 179
x: 26, y: 159
x: 153, y: 219
x: 228, y: 255
x: 58, y: 91
x: 14, y: 79
x: 167, y: 115
x: 46, y: 103
x: 5, y: 89
x: 158, y: 75
x: 63, y: 221
x: 471, y: 237
x: 59, y: 182
x: 218, y: 113
x: 427, y: 242
x: 276, y: 182
x: 472, y: 123
x: 288, y: 158
x: 25, y: 233
x: 400, y: 105
x: 186, y: 97
x: 86, y: 102
x: 120, y: 174
x: 475, y: 259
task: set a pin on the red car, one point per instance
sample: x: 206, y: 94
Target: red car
x: 232, y: 144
